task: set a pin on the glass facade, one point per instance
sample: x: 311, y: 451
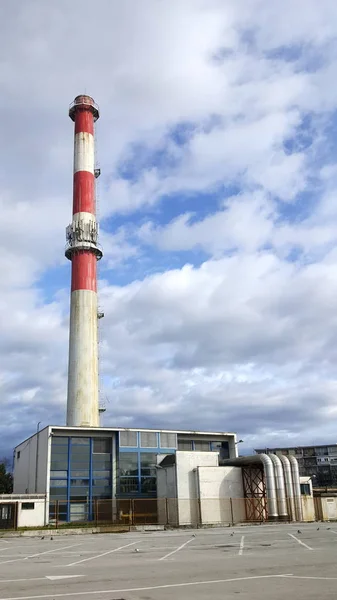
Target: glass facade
x: 137, y: 465
x: 81, y: 470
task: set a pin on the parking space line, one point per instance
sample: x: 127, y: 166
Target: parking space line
x: 309, y: 577
x: 103, y: 554
x: 176, y: 550
x: 154, y: 587
x: 242, y: 545
x: 300, y: 541
x: 38, y: 554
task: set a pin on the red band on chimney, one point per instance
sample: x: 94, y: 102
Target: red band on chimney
x: 84, y: 271
x: 84, y: 121
x: 84, y: 192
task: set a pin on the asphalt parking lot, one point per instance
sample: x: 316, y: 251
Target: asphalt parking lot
x: 257, y: 562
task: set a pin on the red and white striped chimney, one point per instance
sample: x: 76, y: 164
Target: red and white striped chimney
x: 82, y: 250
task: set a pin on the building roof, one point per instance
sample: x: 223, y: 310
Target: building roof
x: 241, y: 461
x: 116, y: 429
x: 266, y: 450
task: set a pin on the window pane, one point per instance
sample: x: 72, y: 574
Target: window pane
x: 101, y: 482
x: 202, y: 446
x: 148, y: 462
x: 79, y: 491
x: 78, y: 441
x: 101, y: 461
x: 102, y: 445
x: 58, y: 493
x: 79, y: 453
x: 148, y: 485
x: 184, y: 445
x: 128, y: 463
x: 59, y: 450
x: 128, y: 438
x: 59, y: 483
x: 106, y: 473
x: 101, y: 492
x: 148, y: 439
x: 80, y: 472
x: 58, y: 463
x: 168, y: 440
x: 79, y: 482
x: 58, y: 440
x: 128, y: 485
x: 59, y: 474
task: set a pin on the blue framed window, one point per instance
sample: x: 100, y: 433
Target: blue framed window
x: 81, y: 471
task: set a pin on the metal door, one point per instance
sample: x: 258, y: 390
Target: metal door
x: 7, y: 516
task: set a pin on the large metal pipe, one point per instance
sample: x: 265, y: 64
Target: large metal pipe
x: 280, y: 487
x: 289, y: 486
x: 297, y: 487
x: 270, y: 485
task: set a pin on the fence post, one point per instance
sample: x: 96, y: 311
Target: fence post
x: 232, y: 514
x: 132, y: 520
x: 95, y: 511
x: 199, y: 513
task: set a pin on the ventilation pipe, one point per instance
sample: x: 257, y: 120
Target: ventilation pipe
x: 289, y: 486
x: 297, y: 487
x: 270, y: 485
x: 280, y: 487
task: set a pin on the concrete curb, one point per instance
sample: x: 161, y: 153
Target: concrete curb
x: 80, y: 531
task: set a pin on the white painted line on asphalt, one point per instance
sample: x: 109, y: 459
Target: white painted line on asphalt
x: 307, y: 577
x: 333, y: 531
x: 154, y: 587
x: 51, y: 577
x: 176, y: 550
x: 242, y: 545
x: 103, y: 554
x: 300, y: 541
x: 38, y: 554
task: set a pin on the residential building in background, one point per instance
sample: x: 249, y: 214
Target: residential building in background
x: 317, y: 462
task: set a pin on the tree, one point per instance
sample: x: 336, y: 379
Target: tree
x: 6, y: 478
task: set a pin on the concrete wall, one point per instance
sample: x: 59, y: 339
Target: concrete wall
x: 187, y: 483
x: 308, y: 509
x: 25, y: 465
x: 217, y: 486
x: 32, y: 518
x: 329, y: 508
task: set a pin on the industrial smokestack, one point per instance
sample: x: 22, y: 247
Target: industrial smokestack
x: 82, y: 250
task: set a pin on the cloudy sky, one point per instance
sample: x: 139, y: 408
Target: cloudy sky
x: 218, y: 210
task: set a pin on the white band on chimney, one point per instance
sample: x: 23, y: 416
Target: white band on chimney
x: 84, y: 152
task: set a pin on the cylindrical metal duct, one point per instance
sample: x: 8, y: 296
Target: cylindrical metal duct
x: 289, y: 486
x: 280, y: 487
x: 270, y: 485
x: 297, y: 487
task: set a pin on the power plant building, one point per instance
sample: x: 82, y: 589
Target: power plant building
x: 76, y: 466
